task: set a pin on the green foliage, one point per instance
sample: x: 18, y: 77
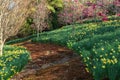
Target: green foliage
x: 26, y: 28
x: 64, y: 31
x: 111, y: 9
x: 80, y: 32
x: 12, y: 61
x: 20, y: 39
x: 97, y: 43
x: 54, y: 21
x: 54, y: 5
x: 101, y: 54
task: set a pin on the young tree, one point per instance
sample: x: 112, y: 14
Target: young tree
x: 12, y: 16
x: 40, y: 17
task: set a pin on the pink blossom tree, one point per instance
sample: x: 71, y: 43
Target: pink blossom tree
x: 71, y: 12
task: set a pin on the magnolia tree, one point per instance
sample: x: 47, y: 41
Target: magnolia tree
x: 12, y: 16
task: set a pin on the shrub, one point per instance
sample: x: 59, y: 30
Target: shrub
x: 40, y: 17
x: 114, y: 7
x: 44, y: 14
x: 76, y: 10
x: 26, y: 29
x: 12, y: 61
x: 55, y: 5
x: 71, y: 12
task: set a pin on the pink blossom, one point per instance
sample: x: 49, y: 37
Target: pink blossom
x: 116, y: 2
x: 94, y: 6
x: 118, y: 14
x: 104, y: 19
x: 99, y: 3
x: 101, y: 14
x: 75, y: 0
x: 88, y: 3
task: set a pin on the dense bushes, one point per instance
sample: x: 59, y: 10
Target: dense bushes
x: 78, y: 10
x: 97, y: 43
x: 44, y: 14
x: 71, y: 12
x: 12, y: 61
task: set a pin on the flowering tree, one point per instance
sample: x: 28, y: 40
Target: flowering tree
x: 12, y: 16
x: 71, y: 12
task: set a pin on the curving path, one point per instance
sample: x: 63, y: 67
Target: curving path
x: 52, y: 62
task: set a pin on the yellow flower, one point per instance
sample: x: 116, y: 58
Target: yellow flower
x: 115, y: 60
x: 106, y: 54
x: 87, y: 69
x: 95, y: 52
x: 104, y: 60
x: 102, y: 49
x: 94, y: 67
x: 84, y: 60
x: 110, y: 53
x: 112, y: 49
x: 112, y: 61
x: 101, y: 55
x: 109, y: 61
x: 103, y: 66
x: 113, y: 57
x: 88, y: 58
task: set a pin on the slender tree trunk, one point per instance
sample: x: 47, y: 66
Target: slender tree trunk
x: 1, y: 41
x: 1, y: 34
x: 1, y: 47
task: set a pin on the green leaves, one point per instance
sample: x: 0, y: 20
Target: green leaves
x: 12, y: 61
x: 51, y: 8
x: 98, y: 44
x: 54, y: 4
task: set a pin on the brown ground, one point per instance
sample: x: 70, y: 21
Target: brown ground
x: 52, y: 62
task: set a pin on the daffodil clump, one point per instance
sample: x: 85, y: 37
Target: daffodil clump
x: 74, y: 33
x: 101, y: 55
x: 12, y: 61
x: 97, y: 43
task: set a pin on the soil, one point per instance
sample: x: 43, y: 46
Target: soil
x: 52, y: 62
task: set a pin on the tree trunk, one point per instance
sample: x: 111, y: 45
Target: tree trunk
x: 1, y: 41
x: 1, y: 35
x: 1, y: 47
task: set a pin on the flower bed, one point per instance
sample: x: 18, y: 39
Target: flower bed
x: 97, y: 43
x: 12, y: 61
